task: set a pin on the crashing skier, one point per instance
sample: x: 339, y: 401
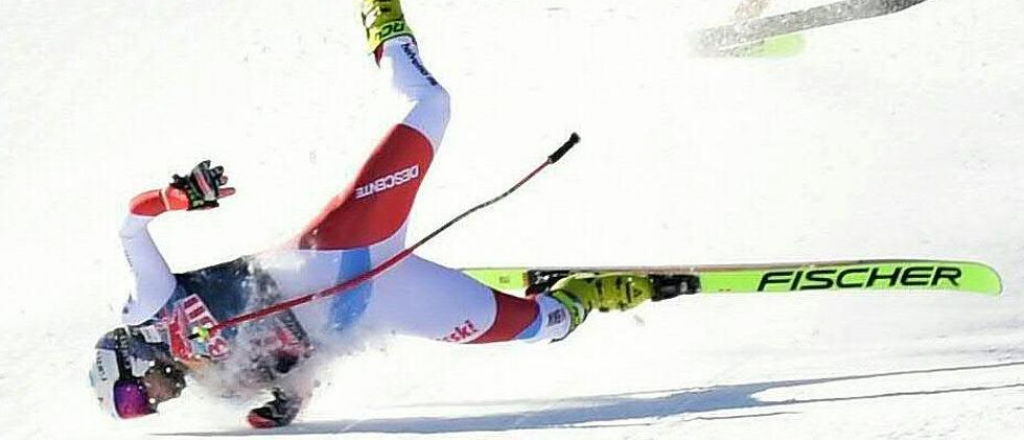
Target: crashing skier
x: 146, y: 361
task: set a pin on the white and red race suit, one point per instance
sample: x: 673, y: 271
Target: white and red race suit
x: 361, y: 227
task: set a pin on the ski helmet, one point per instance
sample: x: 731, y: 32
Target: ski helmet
x: 122, y: 372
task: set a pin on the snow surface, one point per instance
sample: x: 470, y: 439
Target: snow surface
x: 895, y: 137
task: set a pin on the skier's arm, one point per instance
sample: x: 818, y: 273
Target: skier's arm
x: 154, y: 282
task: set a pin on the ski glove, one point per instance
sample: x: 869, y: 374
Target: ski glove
x: 275, y: 413
x: 203, y: 186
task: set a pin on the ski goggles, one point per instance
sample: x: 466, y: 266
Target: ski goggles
x: 131, y: 399
x: 139, y: 396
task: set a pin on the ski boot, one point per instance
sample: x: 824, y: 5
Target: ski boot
x: 582, y: 292
x: 275, y: 413
x: 383, y: 20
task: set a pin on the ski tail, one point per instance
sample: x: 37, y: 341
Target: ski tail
x: 849, y: 276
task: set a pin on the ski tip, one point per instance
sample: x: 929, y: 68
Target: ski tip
x: 783, y: 46
x: 987, y: 280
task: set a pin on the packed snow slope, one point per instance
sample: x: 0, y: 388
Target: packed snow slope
x: 894, y: 137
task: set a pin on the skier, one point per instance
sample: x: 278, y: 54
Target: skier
x: 146, y: 361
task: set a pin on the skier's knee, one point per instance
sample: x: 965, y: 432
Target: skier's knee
x: 438, y: 103
x: 431, y: 113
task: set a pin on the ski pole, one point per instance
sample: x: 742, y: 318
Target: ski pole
x: 203, y: 333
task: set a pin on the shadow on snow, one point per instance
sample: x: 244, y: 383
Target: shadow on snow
x: 609, y: 410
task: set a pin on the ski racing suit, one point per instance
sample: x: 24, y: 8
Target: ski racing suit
x: 361, y: 227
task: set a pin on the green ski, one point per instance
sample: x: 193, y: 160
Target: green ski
x: 862, y: 276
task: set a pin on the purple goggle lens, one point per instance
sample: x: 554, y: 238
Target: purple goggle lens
x: 131, y: 399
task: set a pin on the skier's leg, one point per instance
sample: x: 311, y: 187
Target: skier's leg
x: 430, y: 103
x: 376, y: 206
x: 421, y: 298
x: 424, y: 299
x: 365, y: 224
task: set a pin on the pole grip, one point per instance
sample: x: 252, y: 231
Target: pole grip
x: 573, y: 140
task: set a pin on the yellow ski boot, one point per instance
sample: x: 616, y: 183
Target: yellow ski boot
x: 383, y: 20
x: 583, y: 292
